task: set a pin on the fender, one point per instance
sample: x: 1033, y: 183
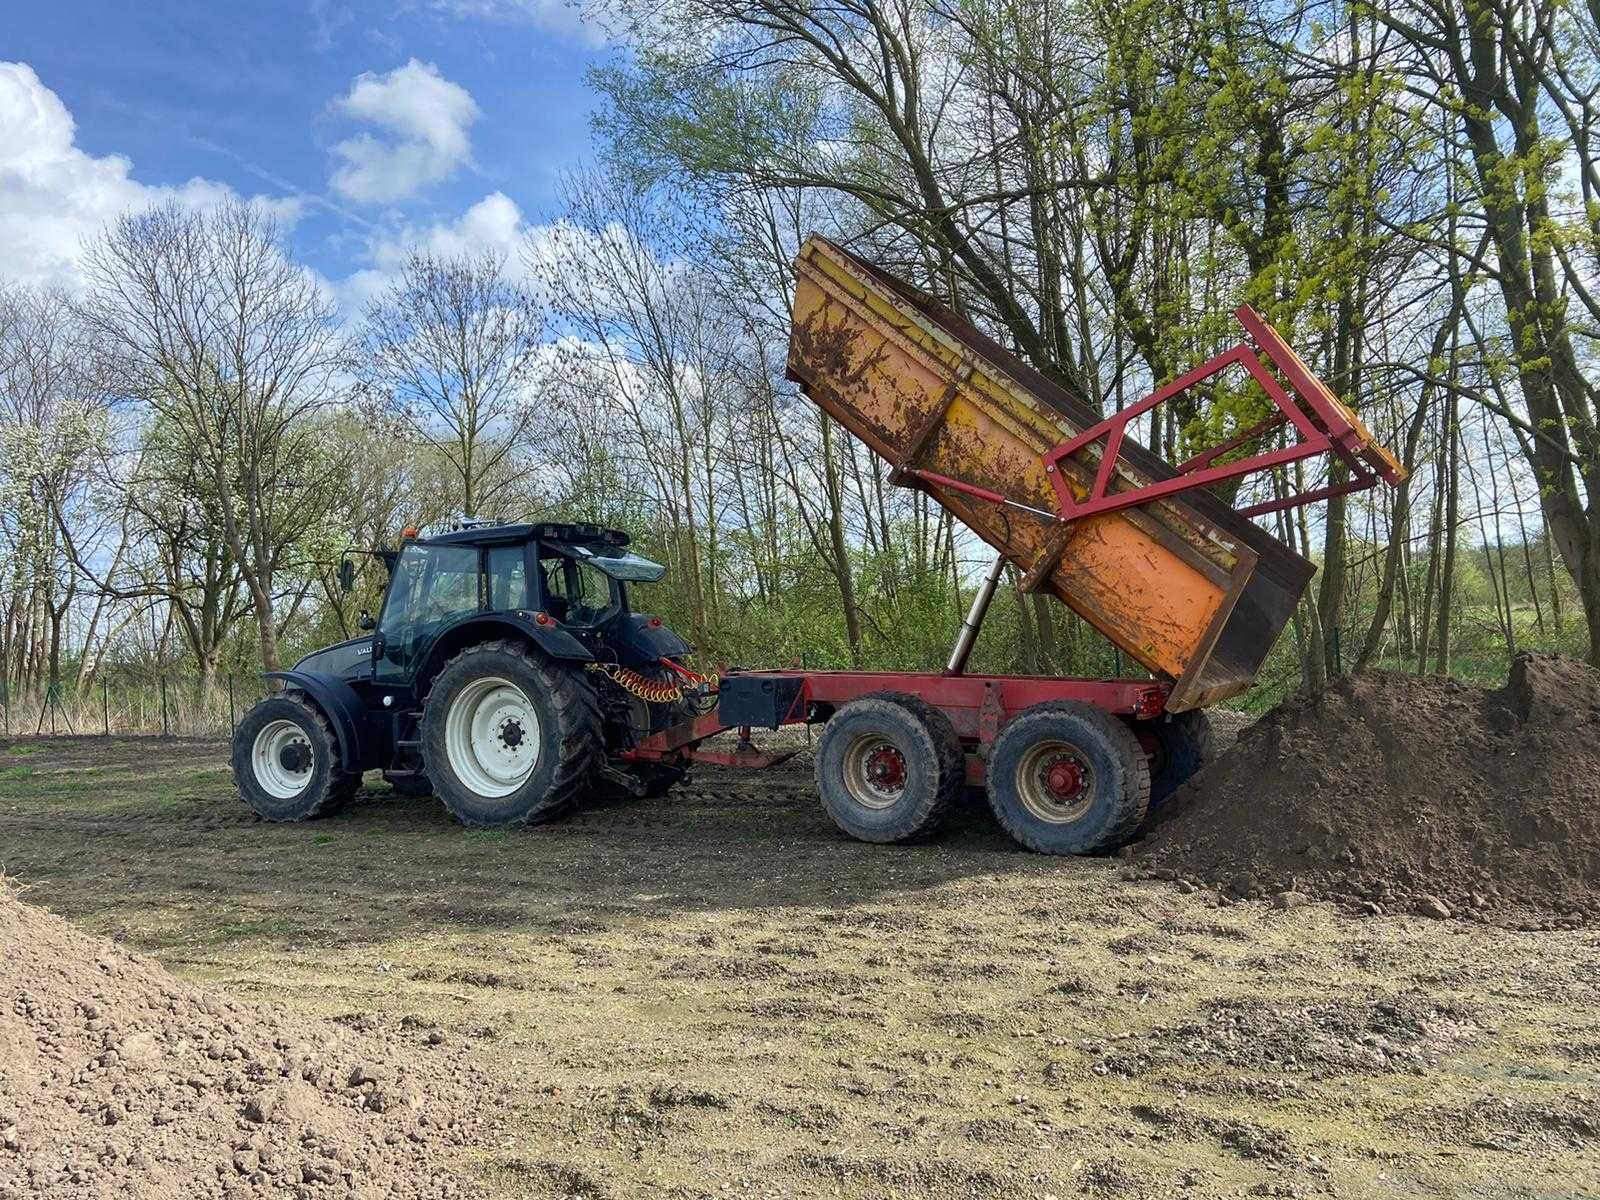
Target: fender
x: 353, y: 728
x: 551, y: 639
x: 641, y: 639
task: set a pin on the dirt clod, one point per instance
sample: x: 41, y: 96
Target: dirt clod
x: 118, y: 1079
x: 1392, y: 793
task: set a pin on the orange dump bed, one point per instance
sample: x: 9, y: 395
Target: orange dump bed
x: 1185, y: 585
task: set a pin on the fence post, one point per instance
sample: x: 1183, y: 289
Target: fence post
x: 105, y: 705
x: 231, y: 718
x: 166, y: 730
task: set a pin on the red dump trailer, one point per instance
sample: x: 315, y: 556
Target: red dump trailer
x: 1180, y: 581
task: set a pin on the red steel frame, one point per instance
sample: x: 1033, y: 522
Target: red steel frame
x: 1324, y: 425
x: 977, y: 705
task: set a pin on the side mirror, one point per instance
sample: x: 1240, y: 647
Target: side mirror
x: 365, y: 621
x: 347, y: 575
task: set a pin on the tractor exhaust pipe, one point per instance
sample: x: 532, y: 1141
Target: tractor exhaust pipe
x: 968, y: 636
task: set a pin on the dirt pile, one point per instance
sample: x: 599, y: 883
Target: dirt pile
x: 118, y: 1080
x: 1398, y: 794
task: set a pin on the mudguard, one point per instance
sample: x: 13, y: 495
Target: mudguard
x: 352, y: 723
x: 640, y: 639
x: 551, y: 639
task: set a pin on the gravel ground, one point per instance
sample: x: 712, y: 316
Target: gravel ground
x: 716, y: 994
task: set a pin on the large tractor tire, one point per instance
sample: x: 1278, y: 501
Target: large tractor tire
x: 1179, y: 745
x: 889, y: 768
x: 1067, y: 778
x: 286, y: 761
x: 508, y: 738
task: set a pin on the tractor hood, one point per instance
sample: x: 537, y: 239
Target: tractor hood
x: 344, y: 660
x: 614, y: 561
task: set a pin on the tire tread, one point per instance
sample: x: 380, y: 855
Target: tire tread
x: 1135, y: 800
x: 578, y: 712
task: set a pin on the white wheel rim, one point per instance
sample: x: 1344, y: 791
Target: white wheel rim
x: 276, y: 741
x: 492, y: 736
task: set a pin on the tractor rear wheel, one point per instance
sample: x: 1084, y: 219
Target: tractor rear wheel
x: 286, y: 761
x: 1067, y: 778
x: 888, y: 768
x: 508, y: 738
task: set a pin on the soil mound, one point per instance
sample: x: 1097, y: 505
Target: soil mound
x: 1404, y: 794
x: 116, y: 1079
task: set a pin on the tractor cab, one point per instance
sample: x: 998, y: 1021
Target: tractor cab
x: 566, y: 583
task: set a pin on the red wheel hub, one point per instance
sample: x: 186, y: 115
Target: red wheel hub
x: 1065, y: 777
x: 886, y: 768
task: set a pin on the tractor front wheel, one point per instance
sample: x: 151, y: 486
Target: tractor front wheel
x: 286, y: 761
x: 508, y: 738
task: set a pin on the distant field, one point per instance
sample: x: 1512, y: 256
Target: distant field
x: 716, y: 994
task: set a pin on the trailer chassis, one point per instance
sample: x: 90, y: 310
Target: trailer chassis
x: 977, y: 706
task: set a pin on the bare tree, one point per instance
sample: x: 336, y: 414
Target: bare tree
x: 650, y: 337
x: 221, y: 335
x: 53, y: 421
x: 448, y: 347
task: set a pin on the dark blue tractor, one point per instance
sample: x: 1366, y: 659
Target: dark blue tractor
x: 504, y: 671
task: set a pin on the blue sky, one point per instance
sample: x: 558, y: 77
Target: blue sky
x: 370, y: 125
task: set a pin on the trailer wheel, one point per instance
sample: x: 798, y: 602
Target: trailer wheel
x: 1067, y: 778
x: 286, y: 761
x: 1178, y: 746
x: 507, y: 738
x: 951, y: 753
x: 885, y: 768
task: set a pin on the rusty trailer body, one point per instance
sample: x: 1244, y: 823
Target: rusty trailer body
x: 1186, y: 585
x: 1181, y: 582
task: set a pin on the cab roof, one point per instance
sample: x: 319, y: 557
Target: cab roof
x: 543, y: 531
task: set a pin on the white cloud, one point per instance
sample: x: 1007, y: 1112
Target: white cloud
x: 53, y: 195
x: 422, y: 119
x: 494, y: 224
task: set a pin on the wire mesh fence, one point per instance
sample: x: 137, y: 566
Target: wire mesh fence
x: 173, y: 705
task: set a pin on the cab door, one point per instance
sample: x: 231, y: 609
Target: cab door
x: 433, y: 588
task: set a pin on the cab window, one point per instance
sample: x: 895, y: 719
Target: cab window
x: 508, y: 578
x: 578, y: 594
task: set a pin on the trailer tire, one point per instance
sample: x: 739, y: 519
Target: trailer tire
x: 1183, y: 745
x: 1067, y: 778
x: 952, y: 755
x: 490, y: 705
x: 286, y: 763
x: 885, y: 769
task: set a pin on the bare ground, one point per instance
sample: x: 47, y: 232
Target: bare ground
x: 718, y: 995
